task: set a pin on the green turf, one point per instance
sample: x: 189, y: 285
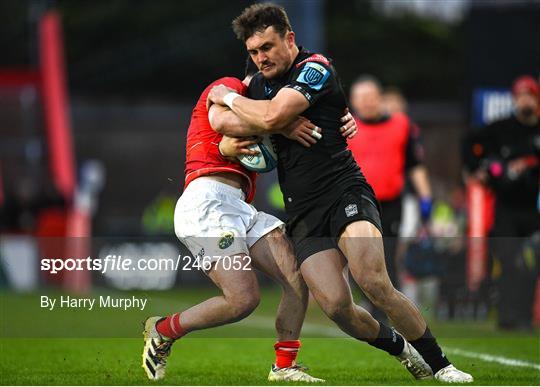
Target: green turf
x: 66, y: 348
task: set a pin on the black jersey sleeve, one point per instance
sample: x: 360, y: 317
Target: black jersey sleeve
x: 313, y: 79
x: 414, y: 154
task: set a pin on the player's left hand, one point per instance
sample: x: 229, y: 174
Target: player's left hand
x: 216, y: 95
x: 349, y: 128
x: 232, y: 147
x: 303, y: 131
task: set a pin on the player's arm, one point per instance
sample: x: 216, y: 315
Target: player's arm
x: 272, y: 116
x: 223, y: 120
x: 420, y: 180
x: 226, y: 122
x: 414, y: 163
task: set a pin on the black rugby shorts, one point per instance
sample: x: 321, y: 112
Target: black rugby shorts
x: 319, y: 228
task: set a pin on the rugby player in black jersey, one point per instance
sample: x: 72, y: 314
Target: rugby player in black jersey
x: 333, y: 214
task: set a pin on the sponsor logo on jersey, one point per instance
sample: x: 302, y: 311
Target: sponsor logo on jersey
x: 226, y: 240
x: 351, y: 210
x: 314, y: 75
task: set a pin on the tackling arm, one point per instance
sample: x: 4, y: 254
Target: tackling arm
x: 272, y: 116
x: 226, y: 122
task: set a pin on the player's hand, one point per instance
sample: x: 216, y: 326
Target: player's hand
x: 232, y: 147
x: 303, y: 131
x: 349, y: 129
x: 216, y: 95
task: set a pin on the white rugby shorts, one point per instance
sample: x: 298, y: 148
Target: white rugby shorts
x: 213, y: 220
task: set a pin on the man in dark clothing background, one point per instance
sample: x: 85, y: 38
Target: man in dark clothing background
x: 505, y: 156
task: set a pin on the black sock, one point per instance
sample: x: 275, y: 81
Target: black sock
x: 431, y: 352
x: 388, y: 340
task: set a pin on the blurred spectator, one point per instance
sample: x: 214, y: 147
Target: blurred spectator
x: 387, y: 147
x: 505, y: 156
x: 393, y: 101
x: 22, y: 206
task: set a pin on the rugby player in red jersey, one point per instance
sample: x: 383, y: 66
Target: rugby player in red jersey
x: 213, y: 218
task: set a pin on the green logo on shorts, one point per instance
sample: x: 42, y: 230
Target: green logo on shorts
x: 226, y: 240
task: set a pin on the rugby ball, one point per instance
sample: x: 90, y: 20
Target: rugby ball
x: 265, y: 161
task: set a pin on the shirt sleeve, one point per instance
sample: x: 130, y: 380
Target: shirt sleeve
x: 313, y: 80
x: 415, y: 148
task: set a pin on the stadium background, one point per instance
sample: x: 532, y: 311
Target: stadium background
x: 133, y: 71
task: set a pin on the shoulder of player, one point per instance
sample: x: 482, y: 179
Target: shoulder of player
x: 318, y: 62
x: 315, y: 58
x: 256, y: 83
x: 257, y: 79
x: 231, y: 82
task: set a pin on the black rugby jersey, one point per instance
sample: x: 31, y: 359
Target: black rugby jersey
x: 319, y: 174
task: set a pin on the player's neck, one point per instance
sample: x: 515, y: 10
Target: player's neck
x: 294, y: 53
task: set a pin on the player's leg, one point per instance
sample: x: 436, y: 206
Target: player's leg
x: 361, y: 243
x: 324, y: 275
x: 273, y: 255
x: 323, y: 272
x: 240, y: 296
x: 210, y: 221
x: 322, y: 268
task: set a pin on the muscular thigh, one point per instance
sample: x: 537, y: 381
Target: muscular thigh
x: 273, y: 255
x: 362, y: 245
x: 324, y: 275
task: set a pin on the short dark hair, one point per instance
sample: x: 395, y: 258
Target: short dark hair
x: 251, y: 68
x: 368, y: 78
x: 258, y: 17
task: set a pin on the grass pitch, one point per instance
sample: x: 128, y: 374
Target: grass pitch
x: 104, y: 348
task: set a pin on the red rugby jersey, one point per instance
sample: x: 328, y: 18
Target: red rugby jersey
x: 202, y: 154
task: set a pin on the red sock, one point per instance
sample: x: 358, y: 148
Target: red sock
x: 170, y: 327
x: 286, y: 352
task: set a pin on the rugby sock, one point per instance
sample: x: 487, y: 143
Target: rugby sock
x: 286, y: 352
x: 388, y: 340
x: 170, y: 327
x: 431, y: 352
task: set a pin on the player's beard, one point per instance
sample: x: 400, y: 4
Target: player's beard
x: 527, y: 112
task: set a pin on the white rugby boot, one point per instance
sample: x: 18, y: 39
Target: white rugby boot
x: 451, y: 374
x: 295, y: 373
x: 414, y: 362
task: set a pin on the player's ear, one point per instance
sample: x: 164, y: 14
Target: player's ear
x: 290, y: 38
